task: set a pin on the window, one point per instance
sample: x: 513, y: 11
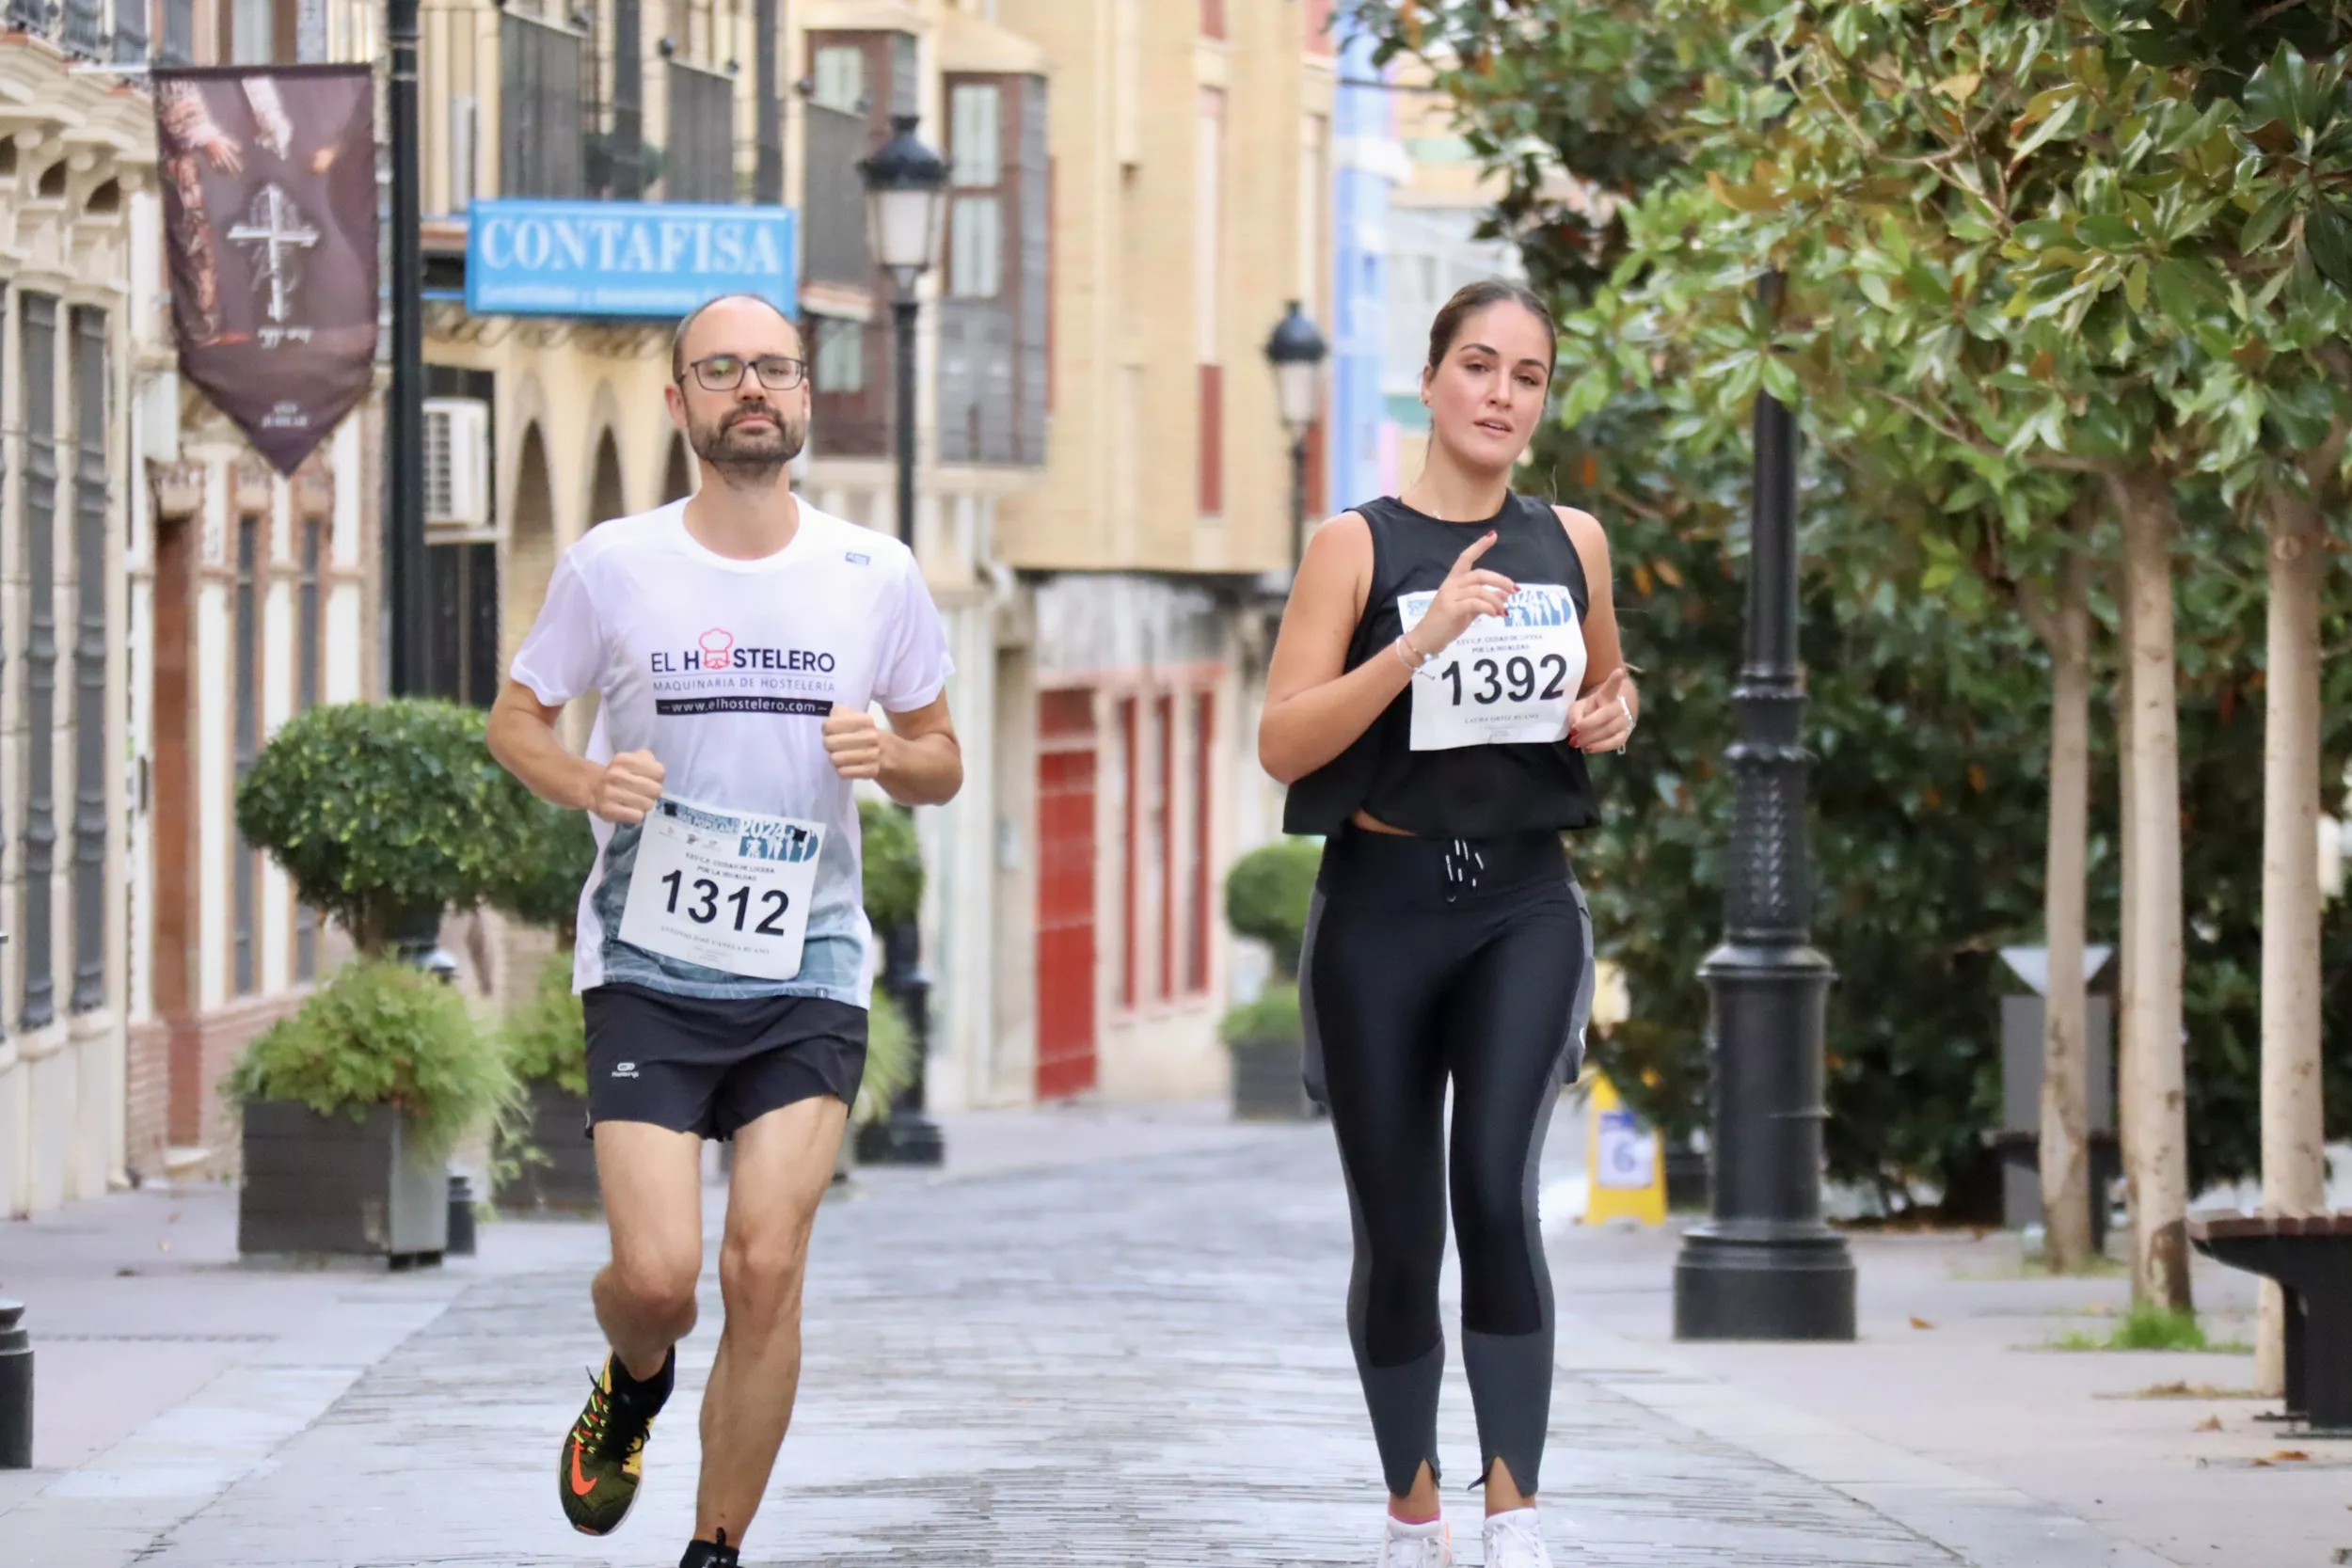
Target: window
x: 252, y: 32
x: 1164, y: 834
x: 1130, y: 871
x: 1208, y: 245
x: 1212, y: 441
x: 39, y: 333
x: 840, y: 79
x: 1203, y: 841
x: 1313, y: 180
x: 976, y: 264
x: 307, y: 615
x: 308, y: 655
x: 462, y: 663
x: 87, y: 369
x: 976, y: 135
x: 246, y: 740
x: 1208, y: 219
x: 840, y: 354
x: 993, y: 352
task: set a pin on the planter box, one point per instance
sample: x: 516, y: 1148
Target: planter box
x: 565, y: 1178
x: 328, y: 1184
x: 1269, y: 1081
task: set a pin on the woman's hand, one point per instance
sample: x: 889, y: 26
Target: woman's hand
x: 1467, y: 593
x: 1602, y: 718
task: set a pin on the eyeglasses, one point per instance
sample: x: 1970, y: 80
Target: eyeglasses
x: 723, y: 372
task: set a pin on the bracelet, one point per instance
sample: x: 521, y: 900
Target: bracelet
x: 1404, y: 645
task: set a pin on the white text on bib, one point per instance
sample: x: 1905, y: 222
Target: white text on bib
x: 1508, y: 680
x: 726, y: 890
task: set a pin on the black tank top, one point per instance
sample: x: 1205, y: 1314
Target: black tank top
x: 1480, y: 791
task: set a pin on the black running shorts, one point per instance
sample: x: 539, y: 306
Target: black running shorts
x: 710, y: 1066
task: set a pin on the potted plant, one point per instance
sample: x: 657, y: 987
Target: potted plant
x: 1267, y: 896
x: 384, y: 814
x: 895, y: 1038
x: 545, y: 1160
x: 349, y: 1109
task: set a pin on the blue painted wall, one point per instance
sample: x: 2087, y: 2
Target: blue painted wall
x: 1364, y: 156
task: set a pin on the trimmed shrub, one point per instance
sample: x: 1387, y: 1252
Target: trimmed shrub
x: 1267, y: 895
x: 545, y: 1035
x: 894, y: 865
x: 382, y: 1033
x: 1273, y: 1018
x: 384, y: 813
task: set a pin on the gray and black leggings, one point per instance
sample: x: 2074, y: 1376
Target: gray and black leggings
x: 1428, y: 960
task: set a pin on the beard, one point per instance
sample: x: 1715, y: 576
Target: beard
x: 744, y: 453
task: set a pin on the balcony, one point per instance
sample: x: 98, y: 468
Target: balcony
x: 699, y: 164
x: 541, y: 128
x: 112, y: 30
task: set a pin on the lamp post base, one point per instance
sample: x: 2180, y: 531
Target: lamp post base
x: 1764, y: 1282
x: 902, y: 1138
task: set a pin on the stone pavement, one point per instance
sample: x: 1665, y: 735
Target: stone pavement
x: 1123, y: 1361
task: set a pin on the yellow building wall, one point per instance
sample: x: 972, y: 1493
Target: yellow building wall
x: 1123, y: 457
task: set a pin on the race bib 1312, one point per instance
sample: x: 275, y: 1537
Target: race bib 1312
x: 726, y: 890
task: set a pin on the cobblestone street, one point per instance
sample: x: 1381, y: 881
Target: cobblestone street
x: 1133, y: 1362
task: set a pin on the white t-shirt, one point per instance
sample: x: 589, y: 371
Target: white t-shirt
x: 724, y: 670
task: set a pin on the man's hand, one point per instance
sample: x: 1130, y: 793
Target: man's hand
x: 629, y: 788
x: 854, y: 742
x: 1603, y: 719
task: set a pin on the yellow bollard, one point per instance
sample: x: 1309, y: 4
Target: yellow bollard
x: 1624, y: 1161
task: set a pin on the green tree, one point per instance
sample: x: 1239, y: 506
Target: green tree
x: 1990, y: 413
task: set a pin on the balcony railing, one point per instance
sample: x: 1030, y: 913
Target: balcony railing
x: 542, y: 131
x: 700, y: 166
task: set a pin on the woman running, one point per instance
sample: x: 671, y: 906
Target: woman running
x: 1446, y: 658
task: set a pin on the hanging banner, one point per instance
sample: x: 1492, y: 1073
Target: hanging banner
x: 270, y: 214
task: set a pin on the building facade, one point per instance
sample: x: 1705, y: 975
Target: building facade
x: 1135, y: 190
x: 1435, y: 211
x: 1191, y: 156
x: 1367, y: 164
x: 249, y: 596
x: 77, y: 168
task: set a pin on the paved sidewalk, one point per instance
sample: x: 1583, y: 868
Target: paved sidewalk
x: 1121, y: 1361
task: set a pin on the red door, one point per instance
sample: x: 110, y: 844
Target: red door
x: 1065, y: 893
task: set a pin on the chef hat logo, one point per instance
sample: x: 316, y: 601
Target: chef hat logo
x: 716, y: 646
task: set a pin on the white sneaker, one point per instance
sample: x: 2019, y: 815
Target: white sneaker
x: 1429, y: 1545
x: 1515, y: 1540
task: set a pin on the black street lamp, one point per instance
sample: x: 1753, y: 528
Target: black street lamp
x: 405, y: 602
x: 906, y: 186
x: 1764, y: 1266
x: 1296, y: 352
x: 403, y: 434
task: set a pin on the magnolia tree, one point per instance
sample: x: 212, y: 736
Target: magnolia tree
x: 2048, y: 269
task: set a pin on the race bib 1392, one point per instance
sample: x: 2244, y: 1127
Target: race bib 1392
x: 1508, y: 680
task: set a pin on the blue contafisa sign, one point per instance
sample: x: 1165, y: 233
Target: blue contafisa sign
x: 628, y: 259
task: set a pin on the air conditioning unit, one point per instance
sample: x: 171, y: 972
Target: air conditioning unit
x: 457, y: 461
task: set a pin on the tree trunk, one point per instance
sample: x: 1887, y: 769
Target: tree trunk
x: 2295, y: 1161
x: 2066, y: 1195
x: 2154, y: 1110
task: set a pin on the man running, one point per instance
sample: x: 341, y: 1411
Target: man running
x: 737, y: 642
